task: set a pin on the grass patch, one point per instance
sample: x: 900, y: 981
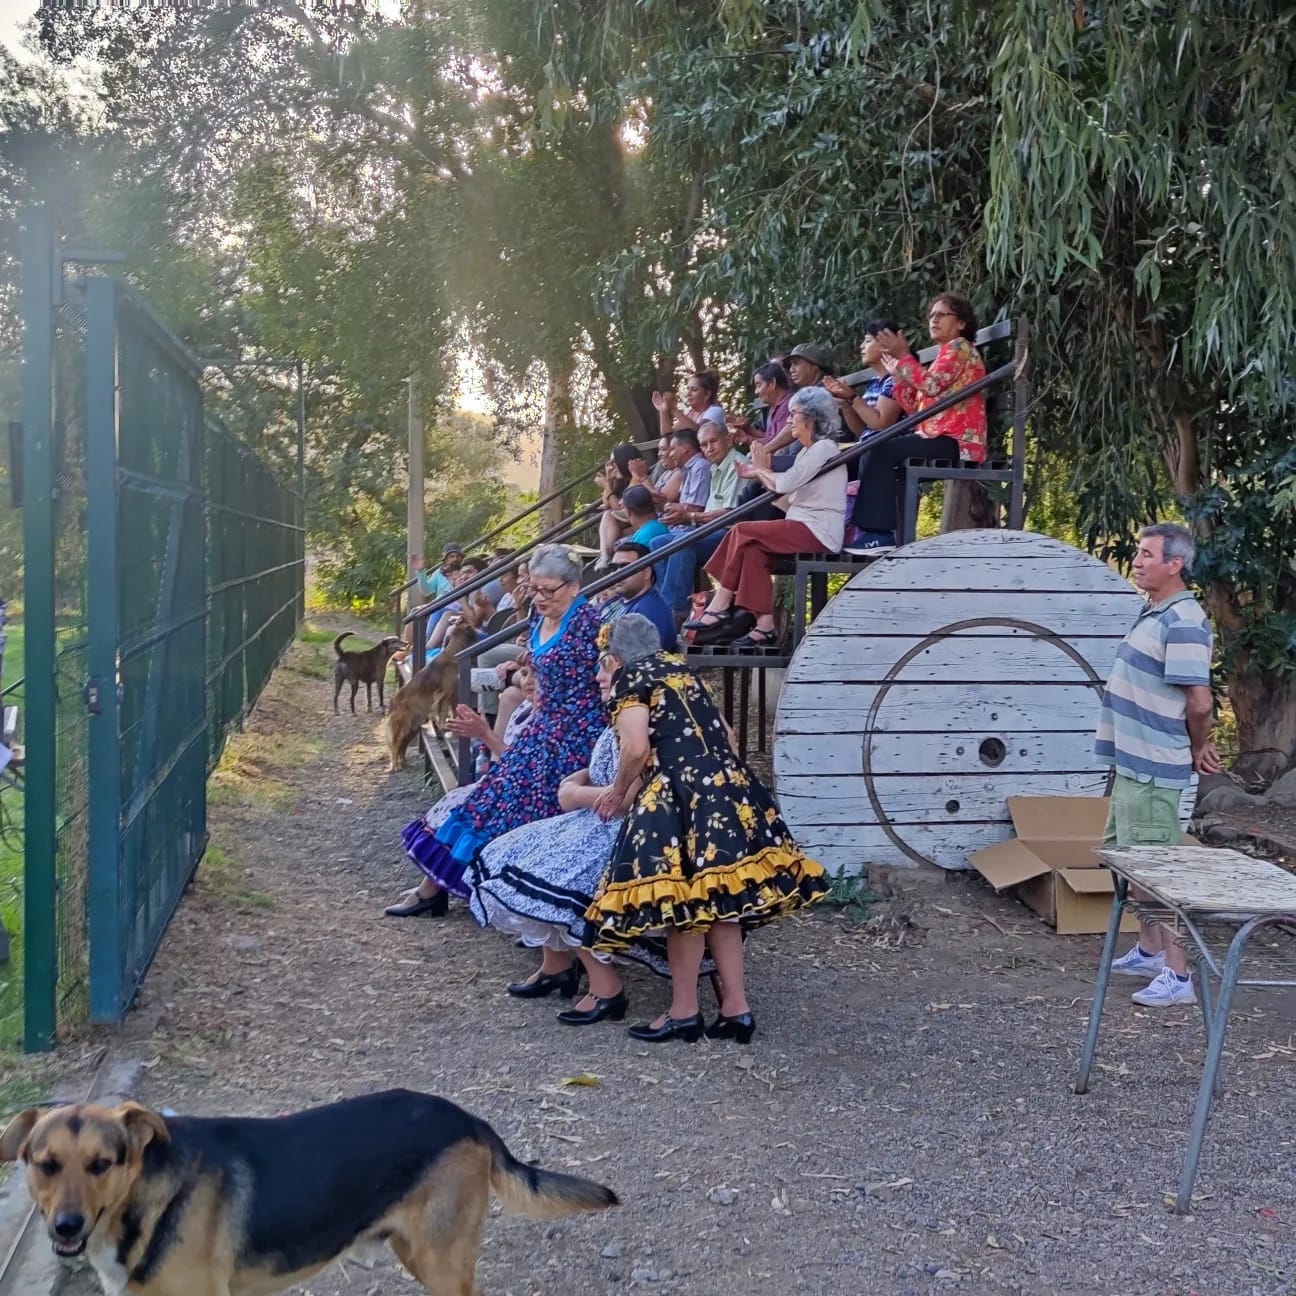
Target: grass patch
x: 221, y: 875
x: 19, y: 1091
x: 850, y: 894
x: 246, y: 774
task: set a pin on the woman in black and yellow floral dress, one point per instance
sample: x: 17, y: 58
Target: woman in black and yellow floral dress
x: 703, y: 854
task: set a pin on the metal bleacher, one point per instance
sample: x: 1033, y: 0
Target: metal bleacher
x: 810, y: 573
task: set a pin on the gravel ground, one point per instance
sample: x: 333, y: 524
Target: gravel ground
x: 902, y: 1123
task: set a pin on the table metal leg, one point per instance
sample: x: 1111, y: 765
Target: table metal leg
x: 1210, y: 1071
x: 1205, y: 996
x: 1104, y: 978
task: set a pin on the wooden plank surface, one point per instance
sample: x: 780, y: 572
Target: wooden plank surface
x: 811, y: 708
x: 971, y: 638
x: 934, y: 753
x: 1198, y: 879
x: 955, y: 658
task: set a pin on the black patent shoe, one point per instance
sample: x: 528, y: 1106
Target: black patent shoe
x: 413, y: 904
x: 689, y: 1029
x: 739, y: 1028
x: 566, y: 983
x: 726, y: 631
x: 614, y: 1008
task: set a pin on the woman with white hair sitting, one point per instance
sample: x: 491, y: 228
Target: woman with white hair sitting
x: 741, y: 610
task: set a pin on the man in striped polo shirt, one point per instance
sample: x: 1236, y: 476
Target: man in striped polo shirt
x: 1154, y: 728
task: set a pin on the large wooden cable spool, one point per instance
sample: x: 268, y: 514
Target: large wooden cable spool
x: 945, y: 677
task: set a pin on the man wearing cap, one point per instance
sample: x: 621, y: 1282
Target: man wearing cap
x: 436, y: 584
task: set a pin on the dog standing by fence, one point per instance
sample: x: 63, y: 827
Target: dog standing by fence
x: 367, y: 667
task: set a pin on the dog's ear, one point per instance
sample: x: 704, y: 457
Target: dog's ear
x: 13, y: 1142
x: 143, y: 1124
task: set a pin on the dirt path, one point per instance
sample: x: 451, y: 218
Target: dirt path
x: 903, y: 1122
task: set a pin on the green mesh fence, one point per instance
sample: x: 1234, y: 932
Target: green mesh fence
x: 172, y: 562
x: 71, y: 649
x: 256, y: 578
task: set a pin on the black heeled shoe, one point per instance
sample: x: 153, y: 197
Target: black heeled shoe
x: 614, y: 1008
x: 566, y: 983
x: 435, y: 906
x: 739, y: 1028
x: 689, y: 1029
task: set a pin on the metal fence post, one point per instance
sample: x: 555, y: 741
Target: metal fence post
x: 104, y: 883
x: 40, y: 970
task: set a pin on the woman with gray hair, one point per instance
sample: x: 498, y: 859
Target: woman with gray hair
x: 523, y: 785
x: 701, y: 857
x: 741, y: 610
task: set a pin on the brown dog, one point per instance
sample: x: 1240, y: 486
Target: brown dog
x: 432, y: 692
x: 368, y: 668
x: 232, y: 1206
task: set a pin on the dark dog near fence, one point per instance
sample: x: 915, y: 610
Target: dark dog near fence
x: 230, y: 1206
x: 368, y: 668
x: 432, y: 692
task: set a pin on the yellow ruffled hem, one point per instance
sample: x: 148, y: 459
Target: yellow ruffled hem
x: 672, y: 892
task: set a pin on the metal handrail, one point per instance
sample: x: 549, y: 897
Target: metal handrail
x: 557, y: 534
x: 526, y: 513
x: 740, y: 511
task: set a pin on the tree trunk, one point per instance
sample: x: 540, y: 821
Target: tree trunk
x: 1264, y: 705
x: 558, y: 424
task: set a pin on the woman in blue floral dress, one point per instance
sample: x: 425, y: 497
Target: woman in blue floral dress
x: 558, y: 741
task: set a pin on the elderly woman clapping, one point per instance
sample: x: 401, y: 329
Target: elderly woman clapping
x: 558, y: 741
x: 741, y: 610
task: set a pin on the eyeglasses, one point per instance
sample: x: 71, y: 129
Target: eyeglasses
x: 939, y: 315
x: 543, y: 591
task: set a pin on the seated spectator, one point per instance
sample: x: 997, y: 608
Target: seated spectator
x: 958, y: 433
x: 469, y: 568
x: 640, y: 508
x: 436, y: 584
x: 808, y: 365
x: 663, y: 468
x: 624, y: 466
x: 773, y: 390
x: 638, y: 593
x: 467, y: 723
x: 523, y: 784
x: 742, y: 608
x: 681, y: 568
x: 876, y: 407
x: 701, y: 405
x: 692, y: 469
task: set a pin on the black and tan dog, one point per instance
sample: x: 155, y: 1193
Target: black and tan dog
x: 232, y: 1206
x: 367, y: 667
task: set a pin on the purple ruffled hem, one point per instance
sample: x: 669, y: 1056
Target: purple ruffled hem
x: 443, y: 856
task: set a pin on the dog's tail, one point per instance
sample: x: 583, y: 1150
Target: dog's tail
x: 540, y: 1194
x: 337, y: 643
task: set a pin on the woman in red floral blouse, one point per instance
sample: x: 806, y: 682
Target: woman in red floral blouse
x: 958, y: 433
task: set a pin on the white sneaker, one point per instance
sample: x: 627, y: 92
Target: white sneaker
x: 1167, y: 991
x: 1136, y: 963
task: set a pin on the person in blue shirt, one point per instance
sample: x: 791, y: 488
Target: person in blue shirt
x: 638, y: 593
x: 645, y: 525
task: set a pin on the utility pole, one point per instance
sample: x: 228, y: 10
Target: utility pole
x: 414, y: 521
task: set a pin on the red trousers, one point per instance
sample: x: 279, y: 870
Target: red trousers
x: 742, y: 563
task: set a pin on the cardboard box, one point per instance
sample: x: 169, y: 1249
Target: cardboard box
x: 1052, y: 863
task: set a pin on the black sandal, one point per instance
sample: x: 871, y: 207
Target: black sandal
x: 697, y: 622
x: 756, y: 640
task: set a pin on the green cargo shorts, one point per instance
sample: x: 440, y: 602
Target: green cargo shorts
x: 1142, y: 814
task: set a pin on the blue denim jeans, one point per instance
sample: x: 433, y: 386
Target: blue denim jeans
x: 676, y: 574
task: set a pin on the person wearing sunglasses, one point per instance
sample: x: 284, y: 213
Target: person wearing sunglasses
x: 959, y: 433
